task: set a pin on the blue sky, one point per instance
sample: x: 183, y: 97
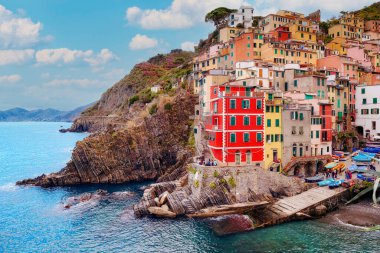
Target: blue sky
x: 63, y: 54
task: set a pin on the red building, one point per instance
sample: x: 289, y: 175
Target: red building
x: 235, y: 125
x: 281, y: 33
x: 325, y: 110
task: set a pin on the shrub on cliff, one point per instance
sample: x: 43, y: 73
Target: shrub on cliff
x: 133, y: 99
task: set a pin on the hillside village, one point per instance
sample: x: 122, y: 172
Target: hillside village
x: 284, y: 91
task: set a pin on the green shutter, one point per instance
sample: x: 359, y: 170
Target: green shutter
x: 259, y: 121
x: 311, y: 134
x: 375, y: 100
x: 267, y: 108
x: 233, y: 104
x: 259, y: 137
x: 270, y: 96
x: 317, y: 134
x: 277, y: 122
x: 269, y: 123
x: 246, y: 120
x: 301, y: 116
x: 232, y: 137
x: 258, y: 105
x: 233, y: 121
x: 246, y: 137
x: 277, y: 109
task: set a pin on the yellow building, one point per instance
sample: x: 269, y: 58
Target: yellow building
x: 337, y: 45
x: 352, y: 20
x: 273, y: 146
x: 258, y: 41
x: 227, y: 33
x: 288, y: 53
x: 303, y: 30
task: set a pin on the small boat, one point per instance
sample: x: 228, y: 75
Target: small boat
x: 363, y: 157
x: 315, y: 179
x: 348, y: 183
x: 373, y: 150
x: 335, y: 183
x: 330, y: 165
x: 325, y: 182
x: 366, y: 177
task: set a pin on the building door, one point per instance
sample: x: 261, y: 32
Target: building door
x: 286, y: 86
x: 275, y: 156
x: 237, y: 158
x: 249, y: 157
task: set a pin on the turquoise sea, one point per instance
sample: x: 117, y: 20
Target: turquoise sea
x: 33, y: 220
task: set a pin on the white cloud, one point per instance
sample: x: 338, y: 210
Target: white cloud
x: 180, y: 14
x: 140, y: 42
x: 18, y: 31
x: 10, y: 78
x: 61, y: 55
x: 65, y: 56
x: 103, y: 57
x: 188, y: 46
x: 8, y: 57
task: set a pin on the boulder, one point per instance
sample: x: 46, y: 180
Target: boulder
x: 161, y: 212
x: 163, y: 198
x: 165, y: 207
x: 157, y: 201
x: 320, y: 210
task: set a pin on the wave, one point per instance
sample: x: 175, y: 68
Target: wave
x: 10, y: 187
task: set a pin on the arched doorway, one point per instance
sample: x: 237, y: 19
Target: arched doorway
x: 310, y: 169
x: 237, y: 158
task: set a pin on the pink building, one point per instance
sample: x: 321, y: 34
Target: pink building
x: 358, y: 54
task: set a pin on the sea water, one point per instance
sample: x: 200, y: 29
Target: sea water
x: 33, y: 219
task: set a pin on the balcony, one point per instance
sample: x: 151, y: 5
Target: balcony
x: 273, y: 102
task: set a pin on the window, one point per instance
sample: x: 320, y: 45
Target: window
x: 232, y: 121
x: 215, y: 90
x: 311, y: 134
x: 277, y: 123
x: 267, y: 108
x: 294, y: 130
x: 375, y: 111
x: 374, y: 100
x: 246, y: 120
x: 232, y: 104
x: 317, y: 134
x: 301, y: 116
x: 295, y: 83
x: 364, y: 101
x: 294, y: 149
x: 259, y: 120
x: 363, y: 90
x: 373, y: 125
x: 244, y: 83
x: 269, y: 123
x: 258, y: 104
x: 275, y: 51
x: 245, y: 104
x: 232, y: 137
x: 246, y: 137
x: 228, y: 89
x: 215, y: 107
x: 259, y: 137
x: 270, y: 96
x: 301, y: 130
x: 277, y: 109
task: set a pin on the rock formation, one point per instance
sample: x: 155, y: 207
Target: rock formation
x: 137, y: 134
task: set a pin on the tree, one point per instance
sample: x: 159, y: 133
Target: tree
x: 219, y: 16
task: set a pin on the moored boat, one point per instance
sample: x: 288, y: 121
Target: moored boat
x: 325, y: 182
x: 335, y: 183
x: 315, y: 179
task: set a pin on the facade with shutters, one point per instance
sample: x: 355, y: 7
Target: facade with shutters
x: 235, y: 124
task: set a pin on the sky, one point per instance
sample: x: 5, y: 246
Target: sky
x: 65, y: 53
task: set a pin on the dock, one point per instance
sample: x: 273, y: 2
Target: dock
x: 299, y: 206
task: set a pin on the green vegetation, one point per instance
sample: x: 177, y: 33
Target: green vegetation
x: 153, y: 109
x: 191, y: 169
x: 231, y: 182
x: 371, y: 187
x: 133, y: 99
x: 196, y: 183
x: 219, y: 16
x: 168, y: 106
x: 370, y: 12
x: 212, y: 185
x: 215, y: 174
x: 146, y: 96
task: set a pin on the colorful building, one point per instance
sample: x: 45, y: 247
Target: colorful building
x: 273, y: 130
x: 235, y: 125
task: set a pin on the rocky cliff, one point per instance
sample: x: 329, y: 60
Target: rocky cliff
x: 137, y: 135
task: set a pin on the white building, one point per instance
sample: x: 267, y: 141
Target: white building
x: 243, y: 16
x: 367, y: 106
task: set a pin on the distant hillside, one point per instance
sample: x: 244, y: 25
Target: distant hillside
x: 370, y: 12
x: 20, y: 114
